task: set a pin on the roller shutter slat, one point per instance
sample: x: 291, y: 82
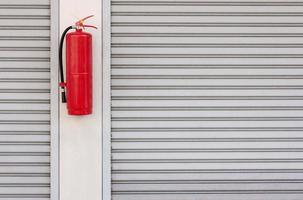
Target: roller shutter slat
x: 26, y: 180
x: 41, y: 11
x: 26, y: 75
x: 26, y: 137
x: 203, y: 9
x: 182, y: 29
x: 120, y: 115
x: 123, y: 40
x: 207, y: 135
x: 213, y: 20
x: 25, y: 52
x: 24, y: 32
x: 204, y: 61
x: 23, y: 147
x: 24, y: 159
x: 17, y: 43
x: 26, y: 190
x: 39, y: 170
x: 29, y: 117
x: 205, y: 70
x: 197, y: 155
x: 26, y: 2
x: 192, y: 188
x: 150, y: 167
x: 24, y: 64
x: 203, y: 81
x: 211, y: 196
x: 211, y: 177
x: 208, y: 53
x: 37, y: 106
x: 26, y: 85
x: 207, y: 104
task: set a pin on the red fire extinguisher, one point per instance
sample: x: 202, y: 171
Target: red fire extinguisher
x: 78, y: 83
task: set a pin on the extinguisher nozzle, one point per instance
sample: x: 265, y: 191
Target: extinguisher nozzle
x: 63, y: 97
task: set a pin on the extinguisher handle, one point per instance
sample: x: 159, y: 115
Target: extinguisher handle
x: 80, y: 23
x: 89, y: 26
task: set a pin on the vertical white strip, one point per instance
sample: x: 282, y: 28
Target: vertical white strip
x: 80, y: 137
x: 55, y: 175
x: 106, y: 55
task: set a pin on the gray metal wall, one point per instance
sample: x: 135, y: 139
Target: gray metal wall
x: 24, y: 99
x: 207, y: 100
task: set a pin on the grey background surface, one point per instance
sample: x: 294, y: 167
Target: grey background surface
x: 25, y: 99
x: 206, y: 100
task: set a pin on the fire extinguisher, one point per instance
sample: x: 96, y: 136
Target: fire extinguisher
x: 78, y: 85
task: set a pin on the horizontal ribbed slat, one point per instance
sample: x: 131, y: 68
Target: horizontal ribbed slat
x: 24, y: 99
x: 206, y: 100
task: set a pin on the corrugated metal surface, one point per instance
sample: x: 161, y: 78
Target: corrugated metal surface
x: 207, y: 100
x: 24, y: 99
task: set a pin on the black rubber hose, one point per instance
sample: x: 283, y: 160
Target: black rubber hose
x: 63, y: 94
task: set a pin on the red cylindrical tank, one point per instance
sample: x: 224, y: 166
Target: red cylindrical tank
x: 79, y: 72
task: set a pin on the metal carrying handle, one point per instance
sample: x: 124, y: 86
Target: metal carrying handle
x: 80, y: 23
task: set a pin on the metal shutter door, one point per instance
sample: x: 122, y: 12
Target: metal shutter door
x: 207, y: 100
x: 24, y: 99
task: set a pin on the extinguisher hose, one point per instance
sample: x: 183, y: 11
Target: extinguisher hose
x: 63, y: 93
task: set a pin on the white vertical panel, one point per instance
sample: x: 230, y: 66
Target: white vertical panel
x: 207, y: 100
x: 25, y: 99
